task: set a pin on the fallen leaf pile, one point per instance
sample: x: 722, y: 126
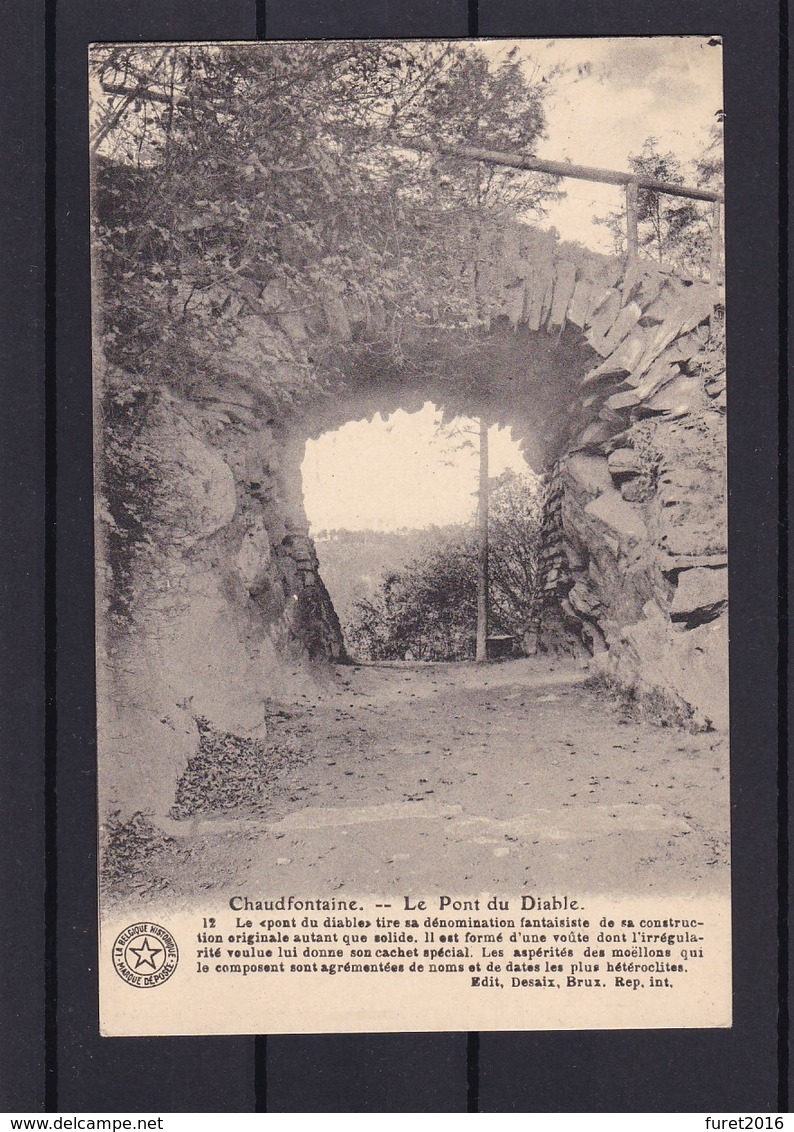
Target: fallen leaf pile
x: 230, y: 772
x: 130, y: 852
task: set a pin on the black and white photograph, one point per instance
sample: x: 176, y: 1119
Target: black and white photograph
x: 411, y: 535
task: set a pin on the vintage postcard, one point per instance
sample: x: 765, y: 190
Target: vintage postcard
x: 412, y: 652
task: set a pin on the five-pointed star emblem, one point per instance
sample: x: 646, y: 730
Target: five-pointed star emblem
x: 146, y: 954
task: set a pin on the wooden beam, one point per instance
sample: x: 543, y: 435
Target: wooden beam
x: 558, y: 168
x: 632, y: 236
x: 716, y: 244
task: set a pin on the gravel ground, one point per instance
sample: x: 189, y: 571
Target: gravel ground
x: 458, y: 778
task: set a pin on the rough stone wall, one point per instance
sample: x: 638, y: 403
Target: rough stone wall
x: 634, y: 560
x: 229, y: 608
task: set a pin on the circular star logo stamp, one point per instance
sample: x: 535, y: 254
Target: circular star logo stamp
x: 145, y: 955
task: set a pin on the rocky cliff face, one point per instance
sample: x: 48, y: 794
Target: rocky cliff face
x: 635, y: 529
x: 227, y: 609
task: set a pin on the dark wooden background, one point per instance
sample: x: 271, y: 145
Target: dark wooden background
x: 50, y: 1054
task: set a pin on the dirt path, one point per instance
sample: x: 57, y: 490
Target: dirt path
x: 461, y: 778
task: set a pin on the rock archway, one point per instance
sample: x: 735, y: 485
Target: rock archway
x: 612, y: 373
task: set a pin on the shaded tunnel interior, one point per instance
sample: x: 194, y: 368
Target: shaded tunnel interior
x: 508, y: 376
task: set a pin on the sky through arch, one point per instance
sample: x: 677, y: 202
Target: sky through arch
x: 405, y: 471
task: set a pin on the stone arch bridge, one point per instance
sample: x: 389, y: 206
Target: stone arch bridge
x: 612, y: 373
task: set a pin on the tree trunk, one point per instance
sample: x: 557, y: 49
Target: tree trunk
x: 482, y: 555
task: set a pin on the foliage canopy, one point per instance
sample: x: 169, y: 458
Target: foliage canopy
x: 672, y: 229
x: 228, y: 176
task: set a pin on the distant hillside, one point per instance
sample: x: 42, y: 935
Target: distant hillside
x: 352, y: 563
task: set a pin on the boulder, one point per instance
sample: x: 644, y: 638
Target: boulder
x: 584, y: 600
x: 596, y: 434
x: 636, y: 489
x: 201, y: 495
x: 715, y: 384
x: 150, y: 747
x: 700, y: 596
x: 689, y: 667
x: 690, y: 519
x: 621, y: 516
x: 672, y: 563
x: 624, y: 462
x: 678, y: 397
x: 590, y: 472
x: 254, y: 554
x: 660, y: 375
